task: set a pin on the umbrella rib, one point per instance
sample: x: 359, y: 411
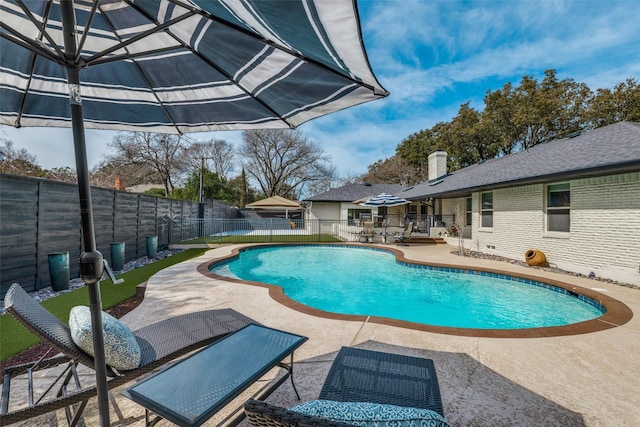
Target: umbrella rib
x: 38, y: 51
x: 43, y: 32
x: 140, y: 36
x: 22, y: 41
x: 94, y: 8
x: 160, y: 103
x: 116, y: 58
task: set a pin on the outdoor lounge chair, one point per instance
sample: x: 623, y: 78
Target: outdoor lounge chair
x: 405, y: 235
x: 359, y: 375
x: 160, y: 343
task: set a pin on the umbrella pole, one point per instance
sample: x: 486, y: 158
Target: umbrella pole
x: 91, y: 263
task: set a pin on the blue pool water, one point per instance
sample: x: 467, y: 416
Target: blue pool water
x: 360, y: 281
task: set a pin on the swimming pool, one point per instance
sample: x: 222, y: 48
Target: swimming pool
x: 360, y: 281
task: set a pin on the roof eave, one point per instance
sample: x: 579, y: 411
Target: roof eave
x: 633, y: 166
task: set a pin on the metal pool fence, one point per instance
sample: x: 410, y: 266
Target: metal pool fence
x: 273, y: 230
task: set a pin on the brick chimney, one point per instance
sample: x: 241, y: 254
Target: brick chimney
x: 119, y: 183
x: 437, y: 165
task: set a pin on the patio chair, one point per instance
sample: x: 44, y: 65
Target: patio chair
x: 359, y: 375
x: 160, y: 343
x: 367, y: 233
x: 405, y: 235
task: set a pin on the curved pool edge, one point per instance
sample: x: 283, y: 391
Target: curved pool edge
x: 617, y: 313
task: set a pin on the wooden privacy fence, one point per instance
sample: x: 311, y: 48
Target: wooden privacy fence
x: 39, y: 217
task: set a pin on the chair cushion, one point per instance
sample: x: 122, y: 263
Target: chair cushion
x: 121, y: 349
x: 369, y: 414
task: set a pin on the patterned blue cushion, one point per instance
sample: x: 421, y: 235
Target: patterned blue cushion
x: 120, y: 346
x: 368, y: 414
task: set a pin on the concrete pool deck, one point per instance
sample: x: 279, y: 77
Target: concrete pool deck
x: 578, y: 380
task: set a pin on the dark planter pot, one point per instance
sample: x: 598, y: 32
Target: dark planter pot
x: 59, y: 271
x: 152, y: 246
x: 117, y: 256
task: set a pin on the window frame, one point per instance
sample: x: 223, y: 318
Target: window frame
x: 468, y: 211
x: 351, y: 219
x: 560, y: 209
x: 486, y: 212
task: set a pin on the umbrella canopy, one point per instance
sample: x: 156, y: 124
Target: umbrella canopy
x: 173, y: 66
x: 385, y: 200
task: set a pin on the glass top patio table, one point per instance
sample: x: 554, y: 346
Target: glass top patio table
x: 194, y: 389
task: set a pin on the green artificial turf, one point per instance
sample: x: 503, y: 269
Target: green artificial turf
x: 14, y: 338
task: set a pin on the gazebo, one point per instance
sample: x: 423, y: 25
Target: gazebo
x: 276, y: 203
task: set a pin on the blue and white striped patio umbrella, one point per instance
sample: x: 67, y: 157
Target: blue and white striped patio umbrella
x: 174, y: 66
x: 177, y: 66
x: 384, y: 200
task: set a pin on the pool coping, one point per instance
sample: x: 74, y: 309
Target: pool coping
x: 617, y: 313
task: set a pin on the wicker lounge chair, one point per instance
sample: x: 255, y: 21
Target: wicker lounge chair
x: 160, y: 343
x: 359, y: 375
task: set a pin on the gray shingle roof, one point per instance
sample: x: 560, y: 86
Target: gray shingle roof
x: 607, y: 150
x: 351, y: 192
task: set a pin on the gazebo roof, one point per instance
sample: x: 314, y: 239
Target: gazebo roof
x: 274, y: 202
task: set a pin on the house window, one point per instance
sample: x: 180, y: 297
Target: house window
x: 486, y: 210
x: 558, y: 207
x: 356, y: 215
x: 468, y: 211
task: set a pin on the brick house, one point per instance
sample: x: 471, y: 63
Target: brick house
x: 576, y: 199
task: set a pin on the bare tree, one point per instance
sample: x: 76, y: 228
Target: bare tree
x: 129, y: 174
x: 63, y: 174
x: 18, y: 162
x: 283, y: 161
x: 162, y: 153
x: 218, y: 152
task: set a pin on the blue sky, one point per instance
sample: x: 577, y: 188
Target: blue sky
x: 433, y: 56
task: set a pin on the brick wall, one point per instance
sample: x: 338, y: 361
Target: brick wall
x: 605, y: 227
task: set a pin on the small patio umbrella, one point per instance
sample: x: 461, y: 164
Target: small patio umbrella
x: 384, y: 200
x: 174, y: 66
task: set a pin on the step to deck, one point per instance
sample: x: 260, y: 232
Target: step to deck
x: 427, y: 240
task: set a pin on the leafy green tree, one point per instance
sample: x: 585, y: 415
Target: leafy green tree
x: 612, y: 106
x: 159, y: 192
x: 469, y: 138
x: 242, y: 192
x: 214, y: 187
x: 515, y: 118
x: 394, y: 170
x: 536, y: 112
x: 415, y: 148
